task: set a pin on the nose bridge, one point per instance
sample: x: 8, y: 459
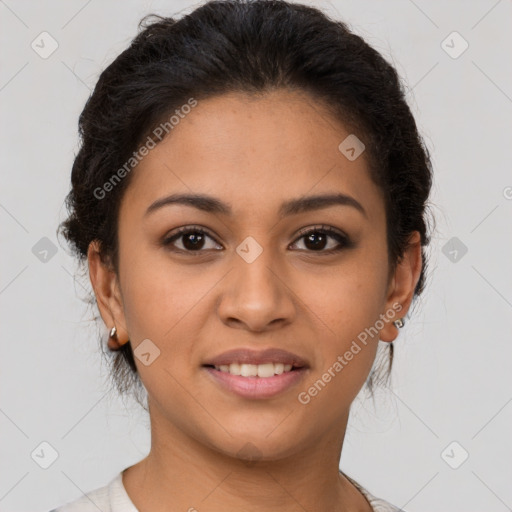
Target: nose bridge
x: 254, y: 271
x: 255, y: 293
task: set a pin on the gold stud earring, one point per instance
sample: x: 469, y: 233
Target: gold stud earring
x: 399, y: 323
x: 113, y: 342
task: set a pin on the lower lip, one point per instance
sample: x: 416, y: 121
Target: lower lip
x: 257, y: 387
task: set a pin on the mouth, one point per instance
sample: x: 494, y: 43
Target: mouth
x: 256, y: 382
x: 256, y: 374
x: 263, y: 371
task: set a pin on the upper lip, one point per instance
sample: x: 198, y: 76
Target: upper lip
x: 250, y: 356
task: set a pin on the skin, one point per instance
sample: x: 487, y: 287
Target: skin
x: 252, y: 153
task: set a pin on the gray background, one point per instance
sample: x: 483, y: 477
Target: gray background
x: 451, y: 381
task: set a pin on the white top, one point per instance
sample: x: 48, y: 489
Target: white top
x: 114, y: 498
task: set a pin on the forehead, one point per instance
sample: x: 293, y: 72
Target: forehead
x: 253, y: 151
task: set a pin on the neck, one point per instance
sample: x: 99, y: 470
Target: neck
x: 181, y: 473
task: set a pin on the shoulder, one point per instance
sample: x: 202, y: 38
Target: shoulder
x: 110, y: 498
x: 377, y: 504
x: 92, y: 501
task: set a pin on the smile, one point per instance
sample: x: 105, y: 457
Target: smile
x: 264, y: 370
x: 256, y: 381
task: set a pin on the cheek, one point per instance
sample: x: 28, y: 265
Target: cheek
x: 345, y: 352
x: 167, y: 304
x: 155, y: 295
x: 350, y: 298
x: 345, y: 306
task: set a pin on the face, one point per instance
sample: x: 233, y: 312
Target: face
x: 256, y: 266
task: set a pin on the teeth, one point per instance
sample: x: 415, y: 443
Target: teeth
x: 255, y: 370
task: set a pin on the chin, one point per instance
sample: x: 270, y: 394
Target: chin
x: 251, y: 446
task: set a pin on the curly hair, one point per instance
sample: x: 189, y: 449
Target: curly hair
x: 249, y: 46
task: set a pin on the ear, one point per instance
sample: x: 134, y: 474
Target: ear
x: 108, y: 295
x: 402, y: 285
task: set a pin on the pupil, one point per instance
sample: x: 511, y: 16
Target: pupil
x: 195, y: 239
x: 311, y: 238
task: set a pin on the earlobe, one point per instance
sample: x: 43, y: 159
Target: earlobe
x: 401, y: 290
x: 108, y: 298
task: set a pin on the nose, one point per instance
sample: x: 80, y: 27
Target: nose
x: 257, y: 295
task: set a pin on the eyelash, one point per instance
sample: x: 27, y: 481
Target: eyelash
x: 343, y: 240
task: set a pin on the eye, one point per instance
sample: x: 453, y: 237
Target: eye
x: 316, y: 239
x: 191, y: 238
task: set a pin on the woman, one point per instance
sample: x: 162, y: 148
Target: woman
x: 250, y: 197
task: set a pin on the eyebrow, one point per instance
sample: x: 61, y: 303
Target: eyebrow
x: 211, y: 204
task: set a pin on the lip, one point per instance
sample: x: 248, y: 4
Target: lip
x: 256, y: 387
x: 251, y: 356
